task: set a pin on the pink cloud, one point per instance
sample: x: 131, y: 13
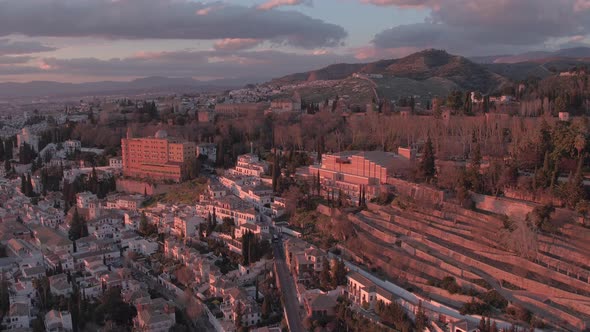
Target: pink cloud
x: 402, y: 3
x: 44, y: 66
x: 581, y: 5
x: 236, y: 44
x: 376, y: 53
x: 271, y: 4
x: 207, y: 10
x: 320, y: 52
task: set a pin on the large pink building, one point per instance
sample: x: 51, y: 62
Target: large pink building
x: 159, y: 157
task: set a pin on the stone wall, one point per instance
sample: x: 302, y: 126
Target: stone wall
x: 140, y: 187
x: 418, y: 192
x: 503, y: 206
x: 534, y: 198
x: 516, y: 209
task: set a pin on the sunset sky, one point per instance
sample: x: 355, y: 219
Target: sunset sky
x: 93, y: 40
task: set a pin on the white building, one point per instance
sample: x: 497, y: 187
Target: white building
x: 116, y: 162
x: 71, y: 146
x: 18, y: 317
x: 154, y: 315
x: 57, y: 321
x: 250, y: 165
x: 85, y: 199
x: 186, y: 226
x: 363, y: 292
x: 127, y: 202
x: 208, y: 150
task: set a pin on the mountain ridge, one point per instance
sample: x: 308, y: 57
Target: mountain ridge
x: 535, y: 56
x: 139, y: 85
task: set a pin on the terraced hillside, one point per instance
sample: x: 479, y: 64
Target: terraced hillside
x: 429, y: 250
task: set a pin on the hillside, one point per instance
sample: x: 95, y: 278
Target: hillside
x: 333, y: 72
x: 435, y: 63
x: 541, y: 68
x: 414, y: 74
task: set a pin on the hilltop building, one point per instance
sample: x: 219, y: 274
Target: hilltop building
x: 159, y: 157
x: 292, y: 104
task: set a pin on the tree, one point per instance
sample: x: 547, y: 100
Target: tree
x: 265, y: 309
x: 42, y: 286
x: 113, y: 308
x: 276, y: 172
x: 29, y: 186
x: 494, y: 327
x: 4, y: 295
x: 338, y: 273
x: 455, y: 100
x: 541, y: 215
x: 560, y: 105
x: 427, y: 164
x: 78, y: 227
x: 474, y: 177
x: 26, y: 154
x: 421, y: 319
x: 482, y: 324
x: 23, y: 184
x: 325, y: 276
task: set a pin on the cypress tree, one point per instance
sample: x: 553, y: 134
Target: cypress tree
x: 427, y: 164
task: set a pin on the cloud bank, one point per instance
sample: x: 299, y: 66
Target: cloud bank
x: 199, y: 64
x: 163, y: 19
x: 11, y: 47
x: 476, y: 27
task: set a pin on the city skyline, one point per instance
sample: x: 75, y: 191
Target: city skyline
x: 80, y: 41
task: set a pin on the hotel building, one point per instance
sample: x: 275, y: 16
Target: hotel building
x: 159, y: 157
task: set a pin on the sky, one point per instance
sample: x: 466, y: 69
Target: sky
x: 97, y: 40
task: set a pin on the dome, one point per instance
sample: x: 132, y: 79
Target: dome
x: 161, y: 134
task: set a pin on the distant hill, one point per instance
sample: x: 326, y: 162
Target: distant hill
x: 142, y: 85
x: 421, y: 66
x: 333, y: 72
x: 541, y: 68
x: 535, y: 56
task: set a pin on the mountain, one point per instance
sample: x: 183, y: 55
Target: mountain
x: 535, y: 56
x: 142, y: 85
x: 436, y: 63
x: 421, y: 66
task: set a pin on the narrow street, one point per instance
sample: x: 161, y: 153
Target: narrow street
x: 287, y: 285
